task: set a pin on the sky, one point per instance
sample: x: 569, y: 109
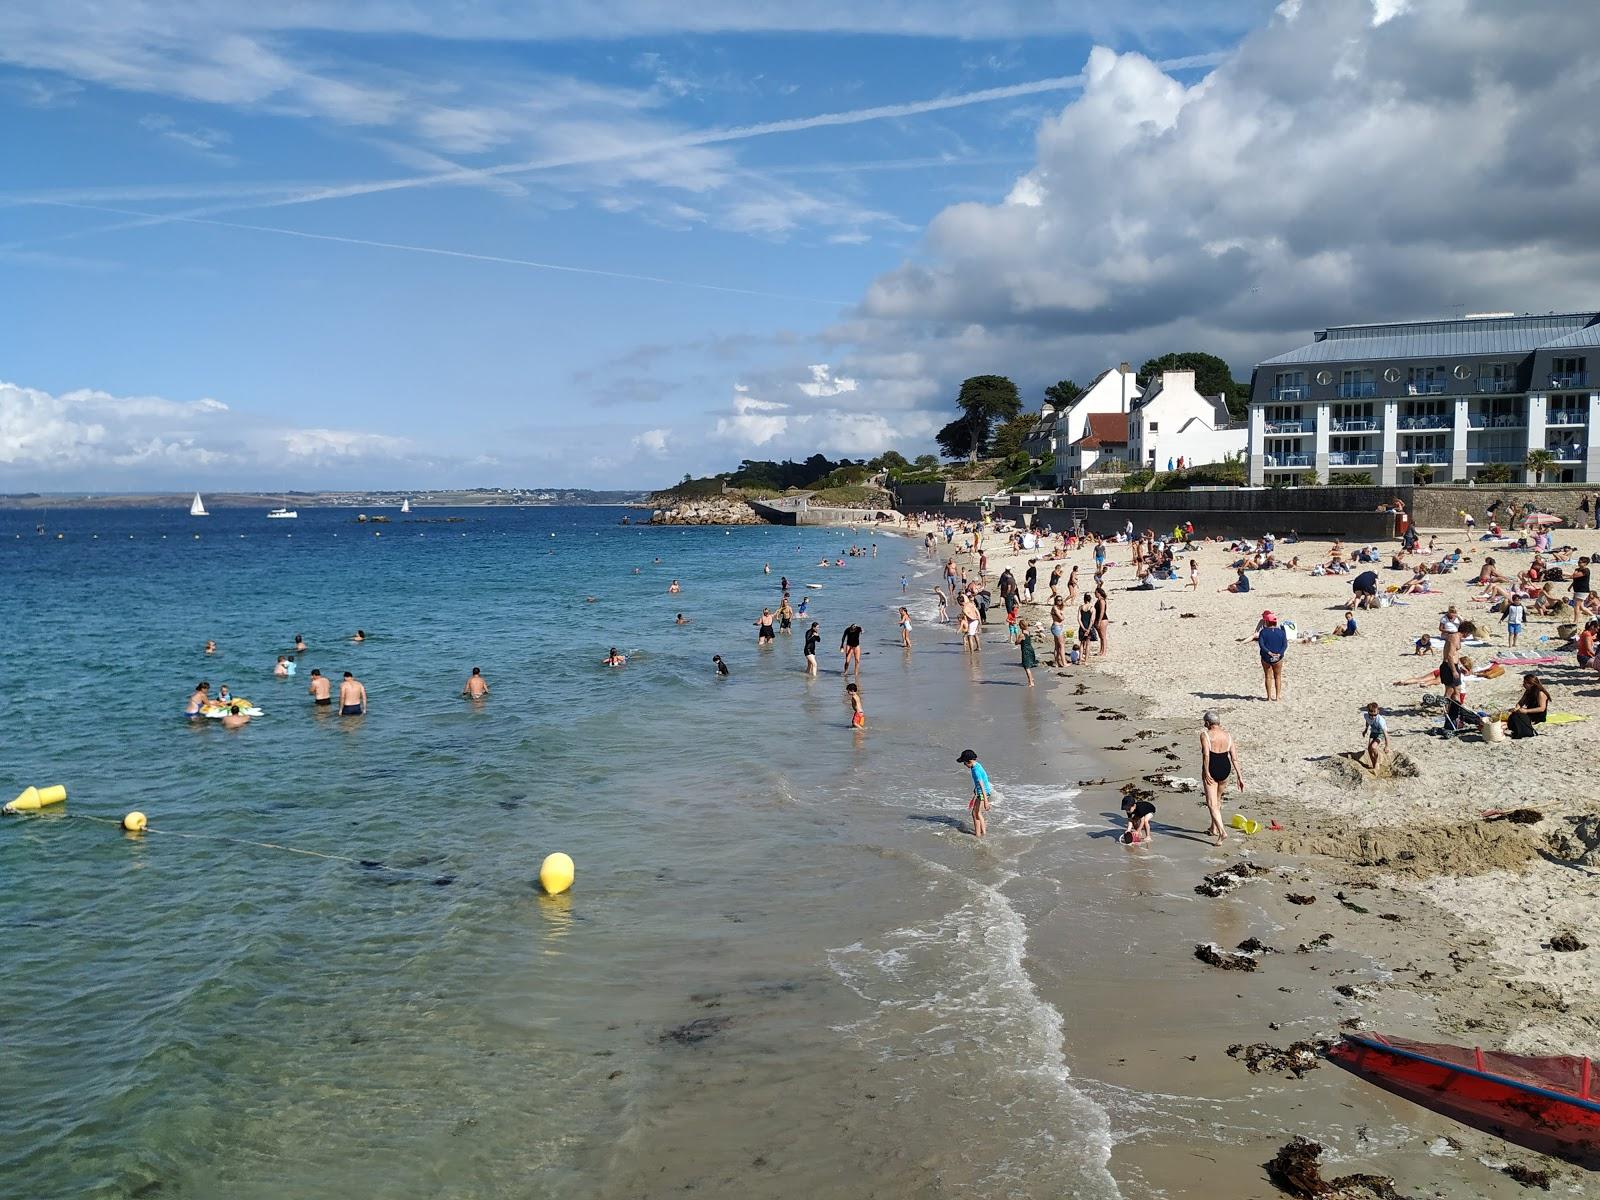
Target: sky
x: 374, y: 243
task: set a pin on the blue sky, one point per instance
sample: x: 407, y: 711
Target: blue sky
x: 607, y: 244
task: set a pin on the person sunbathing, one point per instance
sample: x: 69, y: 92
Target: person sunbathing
x: 1432, y: 677
x: 1416, y: 585
x: 1535, y: 571
x: 1489, y: 573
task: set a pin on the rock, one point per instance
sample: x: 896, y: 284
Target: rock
x: 1226, y: 960
x: 1297, y: 898
x: 1567, y: 943
x: 1220, y: 883
x: 713, y: 510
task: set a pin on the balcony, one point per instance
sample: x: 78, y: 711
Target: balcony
x: 1433, y: 458
x: 1431, y: 421
x: 1570, y: 379
x: 1567, y: 416
x: 1290, y: 428
x: 1496, y: 454
x: 1354, y: 458
x: 1568, y: 452
x: 1425, y: 387
x: 1282, y: 461
x: 1498, y: 385
x: 1497, y: 421
x: 1365, y: 425
x: 1358, y: 391
x: 1288, y: 394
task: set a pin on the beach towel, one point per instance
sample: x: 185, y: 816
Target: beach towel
x: 1539, y: 660
x: 1564, y: 718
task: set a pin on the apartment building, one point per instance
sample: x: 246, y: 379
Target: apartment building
x: 1454, y: 395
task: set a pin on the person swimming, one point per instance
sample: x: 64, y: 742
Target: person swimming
x: 198, y: 701
x: 211, y: 647
x: 682, y: 620
x: 614, y: 659
x: 476, y: 687
x: 361, y: 636
x: 721, y: 667
x: 300, y: 646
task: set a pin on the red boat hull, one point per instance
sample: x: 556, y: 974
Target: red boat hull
x: 1545, y: 1104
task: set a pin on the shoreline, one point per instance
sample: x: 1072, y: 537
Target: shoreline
x: 1421, y: 940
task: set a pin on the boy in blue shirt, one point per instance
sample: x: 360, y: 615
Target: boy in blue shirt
x: 982, y: 790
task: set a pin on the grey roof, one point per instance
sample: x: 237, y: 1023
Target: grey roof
x: 1585, y: 338
x: 1445, y: 339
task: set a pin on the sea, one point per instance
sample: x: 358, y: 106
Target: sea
x: 327, y: 968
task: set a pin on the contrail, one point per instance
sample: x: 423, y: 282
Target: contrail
x: 707, y: 137
x: 444, y: 252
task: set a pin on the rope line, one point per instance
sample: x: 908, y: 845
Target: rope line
x: 222, y: 837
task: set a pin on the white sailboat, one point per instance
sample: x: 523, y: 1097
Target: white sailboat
x: 405, y: 505
x: 198, y: 508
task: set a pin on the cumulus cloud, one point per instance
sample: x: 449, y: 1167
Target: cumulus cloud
x: 825, y: 383
x: 653, y: 441
x: 753, y: 422
x: 1353, y: 160
x: 92, y: 438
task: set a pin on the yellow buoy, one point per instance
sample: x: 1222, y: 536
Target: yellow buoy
x: 134, y: 822
x: 556, y: 874
x: 34, y: 798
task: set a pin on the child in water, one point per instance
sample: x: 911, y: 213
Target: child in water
x: 1139, y: 813
x: 858, y: 716
x: 982, y: 790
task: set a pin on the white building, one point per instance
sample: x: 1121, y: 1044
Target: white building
x: 1173, y: 423
x: 1078, y: 447
x: 1455, y: 397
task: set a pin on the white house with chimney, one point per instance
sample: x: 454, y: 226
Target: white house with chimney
x: 1172, y: 423
x: 1080, y: 442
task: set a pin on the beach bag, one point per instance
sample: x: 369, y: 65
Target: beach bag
x: 1493, y: 731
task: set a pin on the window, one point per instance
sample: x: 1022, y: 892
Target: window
x: 1154, y: 426
x: 1357, y: 383
x: 1569, y: 372
x: 1426, y: 381
x: 1289, y: 385
x: 1497, y: 377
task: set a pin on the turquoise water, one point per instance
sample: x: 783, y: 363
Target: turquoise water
x: 751, y: 988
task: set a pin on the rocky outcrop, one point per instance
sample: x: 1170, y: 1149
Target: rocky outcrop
x: 711, y: 510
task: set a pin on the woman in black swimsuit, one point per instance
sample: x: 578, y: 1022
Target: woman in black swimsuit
x: 1086, y: 619
x: 1218, y: 760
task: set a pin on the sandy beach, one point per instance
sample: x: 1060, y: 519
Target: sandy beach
x: 1444, y: 919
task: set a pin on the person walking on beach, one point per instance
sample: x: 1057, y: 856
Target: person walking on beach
x: 320, y: 689
x: 1272, y: 639
x: 982, y: 790
x: 944, y: 607
x: 1072, y: 584
x: 1030, y: 579
x: 1218, y: 760
x: 352, y: 696
x: 858, y: 715
x: 970, y: 621
x: 1194, y: 575
x: 813, y: 636
x: 476, y: 686
x: 1513, y: 616
x: 1030, y: 656
x: 850, y: 646
x: 905, y: 627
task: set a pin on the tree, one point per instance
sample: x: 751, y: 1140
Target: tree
x: 1494, y: 473
x: 889, y: 460
x: 1212, y: 377
x: 1422, y: 473
x: 1009, y: 437
x: 926, y: 462
x: 983, y: 399
x: 955, y: 440
x: 1540, y: 462
x: 1062, y: 394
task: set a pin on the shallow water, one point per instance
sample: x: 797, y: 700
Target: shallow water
x: 769, y: 974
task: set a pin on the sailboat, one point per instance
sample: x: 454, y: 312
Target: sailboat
x: 198, y: 508
x: 405, y: 505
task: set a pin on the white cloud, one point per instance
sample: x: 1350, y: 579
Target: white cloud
x: 824, y: 382
x: 753, y: 422
x: 653, y: 441
x: 93, y: 438
x: 201, y: 140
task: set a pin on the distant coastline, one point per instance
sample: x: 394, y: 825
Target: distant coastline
x: 437, y: 498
